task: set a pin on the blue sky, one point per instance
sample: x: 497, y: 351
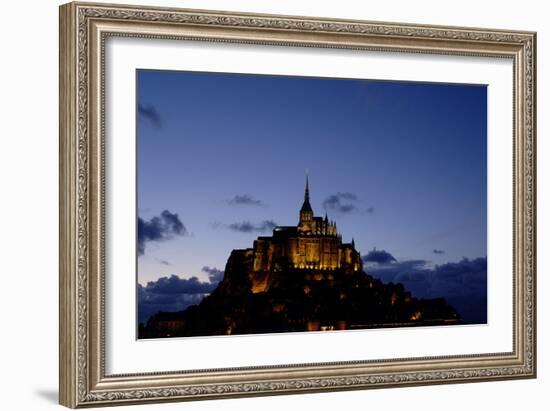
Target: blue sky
x: 400, y: 166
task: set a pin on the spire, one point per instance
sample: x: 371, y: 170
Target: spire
x: 306, y: 206
x: 306, y: 195
x: 353, y: 242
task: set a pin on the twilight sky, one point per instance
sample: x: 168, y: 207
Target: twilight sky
x: 222, y: 158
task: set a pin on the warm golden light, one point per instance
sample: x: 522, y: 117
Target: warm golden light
x: 277, y: 308
x: 313, y: 244
x: 416, y: 316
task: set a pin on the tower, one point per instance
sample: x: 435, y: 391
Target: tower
x: 306, y: 212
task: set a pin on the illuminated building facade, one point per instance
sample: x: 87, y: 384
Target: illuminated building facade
x: 314, y: 244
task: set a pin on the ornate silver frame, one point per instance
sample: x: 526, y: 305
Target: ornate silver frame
x: 83, y: 30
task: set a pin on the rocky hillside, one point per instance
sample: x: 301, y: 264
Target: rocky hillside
x: 290, y: 300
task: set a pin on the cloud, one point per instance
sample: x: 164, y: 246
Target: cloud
x: 347, y: 196
x: 379, y: 257
x: 170, y: 294
x: 249, y: 227
x: 159, y: 228
x: 370, y: 210
x: 436, y: 251
x: 463, y: 284
x: 177, y: 285
x: 163, y: 262
x: 246, y: 199
x: 173, y: 293
x: 341, y: 202
x: 214, y: 275
x: 150, y: 113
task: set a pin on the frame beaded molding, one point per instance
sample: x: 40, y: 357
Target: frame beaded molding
x: 76, y: 387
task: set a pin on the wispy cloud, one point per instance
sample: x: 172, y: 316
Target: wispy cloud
x: 343, y: 203
x: 149, y: 113
x: 379, y: 257
x: 159, y: 228
x: 248, y: 227
x: 246, y: 199
x: 163, y: 262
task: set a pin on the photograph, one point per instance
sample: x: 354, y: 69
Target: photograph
x: 264, y: 202
x: 272, y: 204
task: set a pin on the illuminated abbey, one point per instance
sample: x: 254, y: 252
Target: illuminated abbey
x: 314, y: 244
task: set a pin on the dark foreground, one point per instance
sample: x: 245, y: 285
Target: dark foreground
x: 298, y: 300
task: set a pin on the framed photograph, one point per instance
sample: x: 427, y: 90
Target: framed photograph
x: 260, y: 204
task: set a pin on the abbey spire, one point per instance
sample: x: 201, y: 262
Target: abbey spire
x: 306, y: 212
x: 306, y: 206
